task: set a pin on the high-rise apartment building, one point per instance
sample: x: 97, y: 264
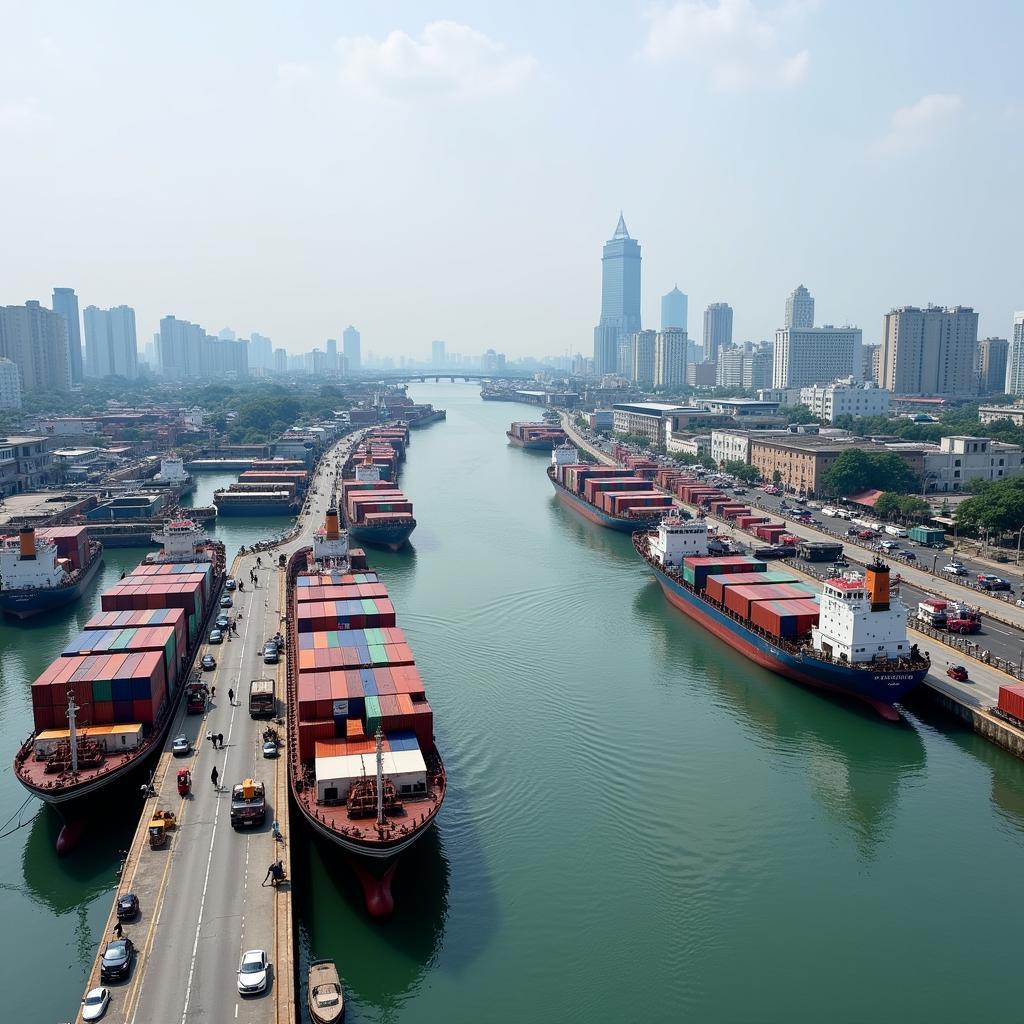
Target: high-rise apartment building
x: 280, y: 360
x: 717, y: 329
x: 331, y: 357
x: 869, y: 362
x: 815, y: 355
x: 800, y: 308
x: 670, y: 350
x: 930, y: 351
x: 187, y: 351
x: 10, y: 385
x: 1015, y: 358
x: 36, y: 339
x: 65, y: 302
x: 730, y: 367
x: 641, y: 370
x: 261, y: 352
x: 350, y: 345
x: 437, y: 354
x: 620, y: 299
x: 992, y: 358
x: 674, y: 310
x: 111, y: 347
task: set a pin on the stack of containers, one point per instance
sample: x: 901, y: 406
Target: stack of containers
x: 785, y: 619
x: 769, y: 532
x: 132, y: 640
x: 715, y: 586
x: 72, y: 543
x: 744, y: 522
x: 733, y: 512
x: 297, y: 477
x: 740, y: 599
x: 1011, y: 700
x: 697, y: 568
x: 634, y: 502
x: 282, y: 465
x: 174, y: 617
x: 597, y: 485
x: 185, y: 591
x: 576, y: 477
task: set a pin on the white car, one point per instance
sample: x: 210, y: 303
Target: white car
x: 95, y: 1003
x: 181, y: 746
x: 955, y: 569
x: 252, y: 972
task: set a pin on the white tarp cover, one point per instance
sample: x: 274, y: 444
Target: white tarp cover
x: 402, y: 767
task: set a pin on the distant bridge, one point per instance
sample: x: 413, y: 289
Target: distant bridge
x: 422, y: 376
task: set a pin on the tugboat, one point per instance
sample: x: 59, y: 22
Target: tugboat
x: 36, y: 575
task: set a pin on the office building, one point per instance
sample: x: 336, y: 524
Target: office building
x: 673, y: 310
x: 717, y: 329
x: 930, y: 351
x: 331, y: 357
x: 186, y: 351
x: 670, y: 357
x: 992, y: 360
x: 10, y: 385
x: 1015, y: 358
x: 641, y: 369
x: 730, y: 367
x: 848, y: 397
x: 960, y: 460
x: 644, y: 419
x: 36, y: 340
x: 111, y: 347
x: 437, y: 354
x: 620, y: 299
x: 65, y: 302
x: 702, y: 375
x: 800, y: 308
x: 350, y: 346
x: 815, y: 355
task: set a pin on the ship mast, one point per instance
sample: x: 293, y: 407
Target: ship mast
x: 380, y: 777
x: 73, y: 731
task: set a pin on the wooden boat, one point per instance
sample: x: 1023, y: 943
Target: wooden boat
x: 325, y: 997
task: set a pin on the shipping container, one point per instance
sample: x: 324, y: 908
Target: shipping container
x: 696, y: 569
x: 785, y: 618
x: 715, y: 585
x: 739, y: 599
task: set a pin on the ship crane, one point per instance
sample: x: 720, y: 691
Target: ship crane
x: 73, y: 731
x: 379, y: 737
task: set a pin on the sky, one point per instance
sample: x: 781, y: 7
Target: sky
x: 451, y: 170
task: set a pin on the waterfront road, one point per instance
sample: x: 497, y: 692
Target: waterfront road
x: 202, y: 897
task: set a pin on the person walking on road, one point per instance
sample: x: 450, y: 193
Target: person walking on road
x: 231, y: 697
x: 213, y: 691
x: 220, y: 740
x: 214, y: 776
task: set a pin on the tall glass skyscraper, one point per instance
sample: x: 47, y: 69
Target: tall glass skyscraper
x: 673, y: 309
x: 620, y: 300
x: 65, y: 302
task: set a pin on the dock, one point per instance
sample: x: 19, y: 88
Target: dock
x: 203, y: 901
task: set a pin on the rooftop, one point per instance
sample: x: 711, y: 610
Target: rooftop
x: 652, y: 408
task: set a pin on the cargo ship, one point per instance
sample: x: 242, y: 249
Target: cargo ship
x: 45, y: 569
x: 257, y: 499
x: 105, y: 705
x: 376, y: 511
x: 363, y: 765
x: 851, y: 638
x: 620, y: 499
x: 535, y: 436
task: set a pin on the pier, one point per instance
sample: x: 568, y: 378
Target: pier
x: 203, y: 901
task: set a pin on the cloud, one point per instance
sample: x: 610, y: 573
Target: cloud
x: 738, y: 45
x: 22, y: 115
x: 919, y: 125
x: 449, y: 60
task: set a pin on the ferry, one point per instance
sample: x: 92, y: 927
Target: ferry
x: 46, y: 569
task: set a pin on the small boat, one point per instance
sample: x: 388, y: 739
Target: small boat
x: 326, y: 999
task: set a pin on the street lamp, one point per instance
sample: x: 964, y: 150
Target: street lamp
x: 1019, y: 532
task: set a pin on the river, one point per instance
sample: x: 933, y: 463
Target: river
x: 641, y: 824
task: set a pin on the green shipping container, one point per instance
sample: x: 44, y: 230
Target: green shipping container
x: 369, y: 605
x: 373, y: 637
x: 102, y: 691
x: 372, y: 715
x: 378, y: 654
x: 125, y: 640
x: 193, y: 626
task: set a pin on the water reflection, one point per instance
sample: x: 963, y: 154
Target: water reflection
x: 856, y: 763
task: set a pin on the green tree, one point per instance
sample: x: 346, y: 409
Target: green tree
x: 998, y: 507
x: 776, y: 477
x: 742, y: 471
x: 797, y: 414
x: 857, y: 470
x: 907, y: 506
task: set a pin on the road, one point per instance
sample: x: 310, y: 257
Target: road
x: 202, y: 898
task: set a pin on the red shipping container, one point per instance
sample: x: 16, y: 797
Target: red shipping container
x: 40, y: 695
x: 739, y: 599
x: 143, y: 711
x: 1011, y: 700
x: 423, y: 725
x: 103, y: 713
x: 45, y: 718
x: 785, y: 618
x: 309, y: 733
x: 306, y: 696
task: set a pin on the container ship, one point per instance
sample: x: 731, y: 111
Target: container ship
x: 257, y: 499
x: 376, y: 511
x: 537, y: 436
x: 45, y: 569
x: 107, y: 702
x: 851, y: 638
x: 618, y: 498
x: 363, y: 765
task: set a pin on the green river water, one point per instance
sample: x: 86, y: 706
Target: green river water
x: 641, y: 825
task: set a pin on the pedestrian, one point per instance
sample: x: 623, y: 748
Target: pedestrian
x: 255, y: 581
x: 209, y: 736
x: 220, y: 740
x: 213, y: 691
x: 118, y: 930
x: 214, y: 775
x: 231, y: 697
x: 259, y: 561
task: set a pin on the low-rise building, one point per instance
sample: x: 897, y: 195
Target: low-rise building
x: 958, y: 460
x: 847, y: 397
x: 645, y: 419
x: 601, y: 419
x: 25, y: 463
x: 992, y: 413
x: 691, y: 444
x: 734, y: 445
x: 702, y: 375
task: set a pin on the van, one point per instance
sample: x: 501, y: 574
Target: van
x: 896, y: 531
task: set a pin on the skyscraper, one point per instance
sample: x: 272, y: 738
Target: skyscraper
x: 717, y: 329
x: 673, y: 309
x: 261, y: 352
x: 815, y: 355
x: 437, y: 356
x: 350, y: 346
x: 36, y: 339
x: 111, y: 346
x: 800, y: 308
x: 670, y: 358
x: 642, y: 361
x: 333, y: 366
x: 1015, y: 358
x: 930, y: 351
x: 620, y: 298
x: 992, y: 358
x: 65, y: 302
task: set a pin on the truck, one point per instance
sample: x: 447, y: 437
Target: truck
x: 248, y: 804
x: 196, y: 695
x: 895, y: 531
x: 261, y: 698
x: 932, y: 611
x: 927, y: 535
x: 950, y: 615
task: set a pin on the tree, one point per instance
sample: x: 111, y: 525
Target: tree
x: 909, y: 506
x: 742, y: 471
x: 999, y: 507
x: 776, y: 477
x: 797, y: 414
x: 857, y: 470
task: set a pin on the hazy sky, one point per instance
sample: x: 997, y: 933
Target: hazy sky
x: 451, y: 171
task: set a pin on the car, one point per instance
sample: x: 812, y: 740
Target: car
x: 828, y: 510
x: 813, y: 521
x: 909, y: 556
x: 181, y: 746
x: 957, y: 672
x: 865, y: 534
x: 95, y: 1003
x: 740, y: 490
x: 222, y: 621
x: 127, y: 906
x: 117, y: 960
x: 851, y: 531
x: 216, y: 636
x: 990, y: 582
x: 888, y: 545
x: 270, y: 748
x: 813, y: 504
x: 954, y: 569
x: 209, y: 663
x: 229, y: 583
x: 270, y: 653
x: 226, y: 602
x: 252, y: 972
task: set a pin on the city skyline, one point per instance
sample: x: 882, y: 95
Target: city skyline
x: 739, y: 74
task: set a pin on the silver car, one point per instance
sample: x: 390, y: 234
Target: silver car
x: 95, y: 1003
x: 252, y: 972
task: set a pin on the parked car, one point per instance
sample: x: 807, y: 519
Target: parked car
x: 270, y: 653
x: 118, y: 957
x: 954, y: 569
x: 888, y: 545
x: 270, y: 748
x: 181, y: 746
x: 222, y: 622
x: 226, y: 602
x: 851, y: 531
x: 230, y: 584
x: 216, y: 636
x: 909, y: 556
x: 95, y: 1003
x: 209, y: 663
x: 252, y: 972
x: 865, y: 534
x: 127, y: 906
x: 957, y: 672
x: 990, y: 582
